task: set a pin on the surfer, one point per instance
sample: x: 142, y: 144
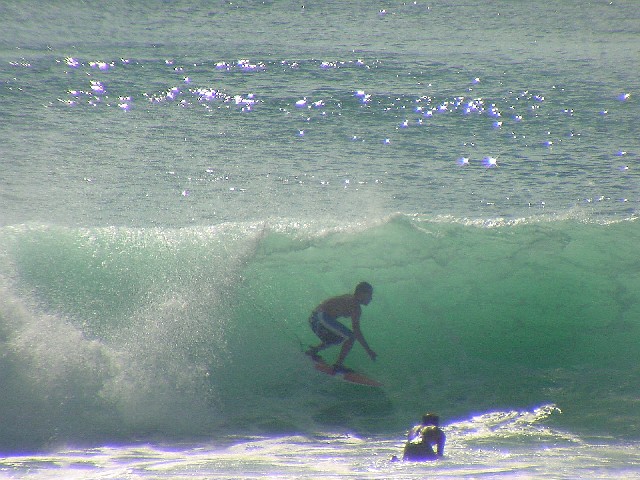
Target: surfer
x: 422, y: 438
x: 324, y: 323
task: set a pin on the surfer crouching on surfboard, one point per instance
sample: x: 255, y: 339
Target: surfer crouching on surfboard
x: 324, y: 323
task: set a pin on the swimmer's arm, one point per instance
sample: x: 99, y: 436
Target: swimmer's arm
x: 440, y: 447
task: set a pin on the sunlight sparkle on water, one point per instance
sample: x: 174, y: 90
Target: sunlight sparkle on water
x: 490, y: 162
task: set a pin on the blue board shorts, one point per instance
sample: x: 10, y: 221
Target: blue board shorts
x: 329, y: 329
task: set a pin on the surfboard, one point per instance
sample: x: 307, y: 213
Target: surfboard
x: 349, y: 376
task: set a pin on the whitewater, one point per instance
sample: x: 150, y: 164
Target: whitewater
x: 183, y: 183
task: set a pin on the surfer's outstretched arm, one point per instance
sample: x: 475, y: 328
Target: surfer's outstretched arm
x: 357, y: 333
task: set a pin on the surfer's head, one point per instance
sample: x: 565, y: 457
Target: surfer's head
x: 364, y: 292
x: 430, y: 419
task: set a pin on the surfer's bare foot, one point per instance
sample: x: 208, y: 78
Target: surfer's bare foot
x: 314, y: 355
x: 339, y: 368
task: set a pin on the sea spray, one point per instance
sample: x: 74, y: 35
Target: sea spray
x: 113, y: 332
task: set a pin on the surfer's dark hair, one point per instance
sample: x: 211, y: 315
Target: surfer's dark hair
x: 430, y: 419
x: 363, y: 287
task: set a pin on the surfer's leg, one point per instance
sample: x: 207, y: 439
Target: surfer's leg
x: 314, y: 322
x: 313, y: 351
x: 346, y: 348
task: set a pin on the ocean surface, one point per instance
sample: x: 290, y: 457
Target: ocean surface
x: 182, y: 182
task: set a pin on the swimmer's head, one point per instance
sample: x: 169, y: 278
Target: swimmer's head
x: 430, y: 419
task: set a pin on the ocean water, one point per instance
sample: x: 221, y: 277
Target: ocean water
x: 183, y: 182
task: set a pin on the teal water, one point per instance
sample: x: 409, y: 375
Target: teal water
x: 151, y: 128
x: 466, y: 319
x: 183, y: 182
